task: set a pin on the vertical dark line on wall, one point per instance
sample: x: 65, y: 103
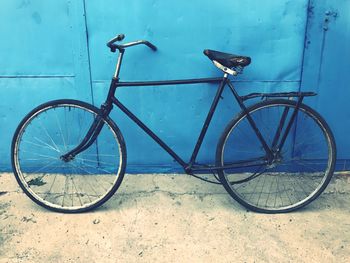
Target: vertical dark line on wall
x: 321, y: 57
x: 88, y: 54
x: 308, y: 12
x: 90, y: 77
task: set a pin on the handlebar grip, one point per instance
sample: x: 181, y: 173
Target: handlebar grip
x: 149, y: 44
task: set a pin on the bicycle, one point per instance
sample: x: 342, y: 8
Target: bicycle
x: 275, y: 156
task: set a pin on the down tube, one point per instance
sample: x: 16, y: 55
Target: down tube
x: 149, y: 132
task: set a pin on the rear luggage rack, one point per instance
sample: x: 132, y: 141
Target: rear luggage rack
x: 279, y: 94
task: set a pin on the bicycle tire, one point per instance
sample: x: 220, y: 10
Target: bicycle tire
x: 243, y: 183
x: 44, y: 135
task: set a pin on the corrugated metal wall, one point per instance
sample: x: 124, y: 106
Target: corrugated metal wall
x: 56, y: 49
x: 326, y: 68
x: 43, y: 56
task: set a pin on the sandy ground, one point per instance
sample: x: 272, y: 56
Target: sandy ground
x: 174, y: 218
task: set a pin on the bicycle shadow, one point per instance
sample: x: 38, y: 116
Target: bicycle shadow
x: 196, y: 195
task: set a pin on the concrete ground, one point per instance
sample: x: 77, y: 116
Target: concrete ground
x: 174, y: 218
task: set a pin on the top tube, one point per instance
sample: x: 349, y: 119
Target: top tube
x: 169, y: 82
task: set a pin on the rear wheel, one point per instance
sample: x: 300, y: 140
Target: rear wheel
x: 77, y: 185
x: 298, y: 174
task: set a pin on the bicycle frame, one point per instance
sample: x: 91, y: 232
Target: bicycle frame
x: 190, y: 166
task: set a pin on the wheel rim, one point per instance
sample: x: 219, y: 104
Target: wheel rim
x: 289, y: 183
x: 80, y: 184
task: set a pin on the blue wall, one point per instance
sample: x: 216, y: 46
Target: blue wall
x: 56, y: 49
x: 327, y: 66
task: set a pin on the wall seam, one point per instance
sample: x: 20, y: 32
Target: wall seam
x: 301, y: 73
x: 234, y: 81
x: 305, y: 43
x: 36, y: 76
x: 88, y: 54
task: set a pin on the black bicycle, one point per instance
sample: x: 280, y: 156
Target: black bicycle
x: 275, y: 156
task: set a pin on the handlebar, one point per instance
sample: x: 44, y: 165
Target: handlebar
x: 111, y: 44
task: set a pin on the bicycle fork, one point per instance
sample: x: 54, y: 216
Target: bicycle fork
x: 277, y: 148
x: 91, y: 135
x: 273, y: 152
x: 279, y: 139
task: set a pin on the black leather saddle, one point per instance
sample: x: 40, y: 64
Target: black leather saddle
x: 227, y: 60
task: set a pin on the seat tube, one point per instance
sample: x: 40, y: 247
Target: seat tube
x: 208, y: 119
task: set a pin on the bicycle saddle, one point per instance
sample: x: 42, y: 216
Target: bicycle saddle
x: 228, y: 60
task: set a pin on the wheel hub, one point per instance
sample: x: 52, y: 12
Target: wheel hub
x: 276, y: 160
x: 67, y: 158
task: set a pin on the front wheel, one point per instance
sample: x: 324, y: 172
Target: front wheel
x: 83, y: 183
x: 299, y: 171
